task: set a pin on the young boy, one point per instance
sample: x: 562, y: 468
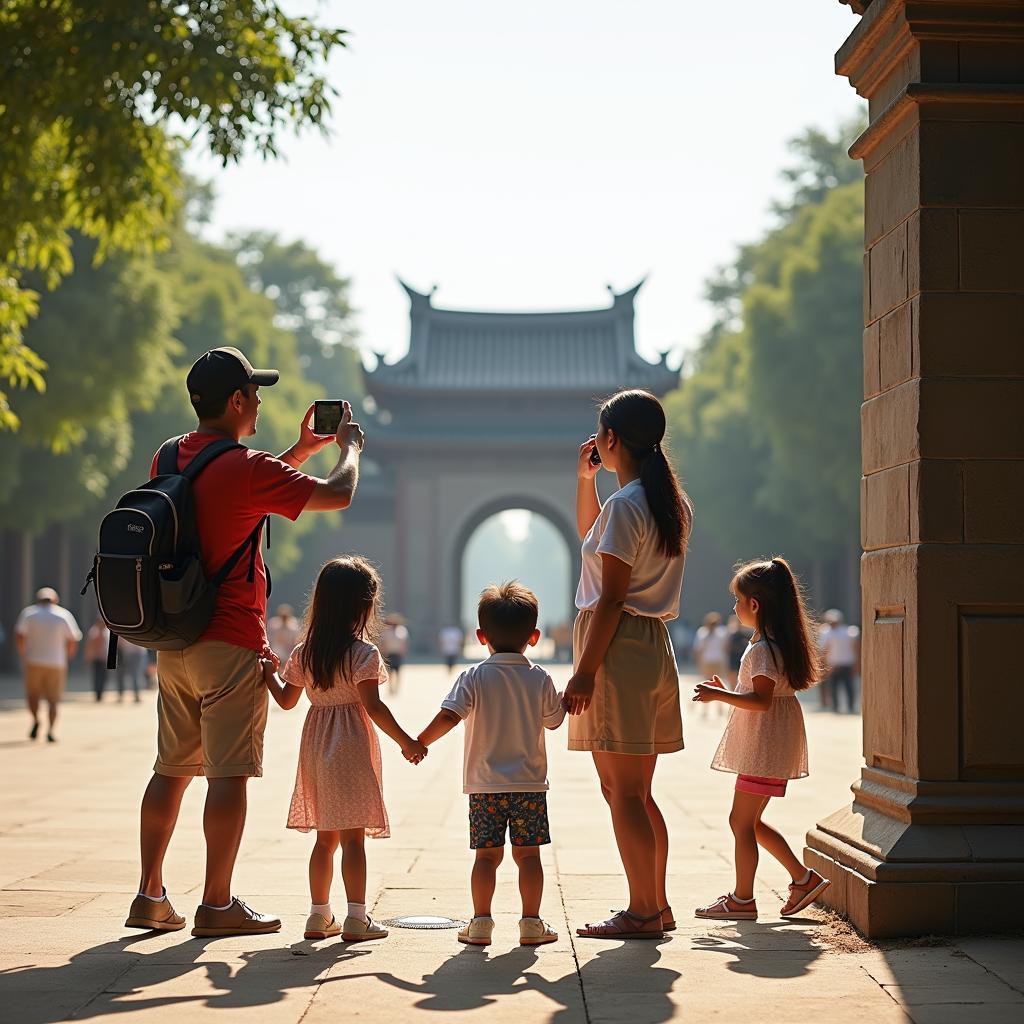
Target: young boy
x: 506, y: 702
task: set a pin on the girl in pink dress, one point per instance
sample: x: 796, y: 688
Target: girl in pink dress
x: 764, y: 742
x: 338, y: 788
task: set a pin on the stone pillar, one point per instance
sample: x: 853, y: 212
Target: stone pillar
x: 934, y: 839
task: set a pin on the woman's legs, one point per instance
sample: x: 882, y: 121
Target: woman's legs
x: 321, y: 867
x: 353, y: 864
x: 626, y: 785
x: 660, y: 829
x: 99, y: 678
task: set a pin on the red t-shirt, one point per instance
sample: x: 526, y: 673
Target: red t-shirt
x: 232, y: 495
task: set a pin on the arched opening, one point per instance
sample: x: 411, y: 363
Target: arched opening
x: 523, y: 543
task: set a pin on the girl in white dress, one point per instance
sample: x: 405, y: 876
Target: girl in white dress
x: 764, y: 742
x: 338, y: 783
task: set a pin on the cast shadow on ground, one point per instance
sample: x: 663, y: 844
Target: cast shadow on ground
x: 472, y: 979
x: 241, y: 979
x: 739, y: 939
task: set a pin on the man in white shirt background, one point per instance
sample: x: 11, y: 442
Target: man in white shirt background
x: 840, y: 646
x: 46, y: 636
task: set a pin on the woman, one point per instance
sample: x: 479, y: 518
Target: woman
x: 624, y: 693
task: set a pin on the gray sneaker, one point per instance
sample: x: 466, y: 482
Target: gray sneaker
x: 236, y: 919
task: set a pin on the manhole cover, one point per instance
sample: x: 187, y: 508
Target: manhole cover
x: 423, y: 922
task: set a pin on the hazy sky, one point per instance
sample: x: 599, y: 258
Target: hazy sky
x: 523, y: 156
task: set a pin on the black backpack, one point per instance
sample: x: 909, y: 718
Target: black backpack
x: 148, y: 573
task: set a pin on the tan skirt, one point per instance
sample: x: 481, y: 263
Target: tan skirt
x: 635, y: 709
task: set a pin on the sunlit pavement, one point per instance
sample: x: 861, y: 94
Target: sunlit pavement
x: 68, y: 870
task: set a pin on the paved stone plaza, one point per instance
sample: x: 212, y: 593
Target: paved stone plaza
x: 68, y: 869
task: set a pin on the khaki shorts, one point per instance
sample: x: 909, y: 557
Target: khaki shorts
x: 635, y: 709
x: 44, y: 682
x: 212, y: 711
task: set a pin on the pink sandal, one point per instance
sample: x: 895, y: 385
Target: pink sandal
x: 728, y: 908
x: 623, y: 925
x: 803, y: 895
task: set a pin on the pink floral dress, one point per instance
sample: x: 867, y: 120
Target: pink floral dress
x: 338, y: 782
x: 765, y: 744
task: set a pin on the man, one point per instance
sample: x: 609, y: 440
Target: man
x: 212, y: 709
x: 46, y: 637
x: 450, y: 642
x: 283, y: 631
x: 840, y: 645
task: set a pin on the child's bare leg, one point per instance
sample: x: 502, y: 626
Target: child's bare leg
x: 353, y: 864
x: 746, y: 811
x: 776, y: 845
x: 321, y: 867
x: 531, y: 878
x: 482, y: 881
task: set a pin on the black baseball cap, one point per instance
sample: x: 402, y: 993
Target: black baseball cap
x: 221, y: 371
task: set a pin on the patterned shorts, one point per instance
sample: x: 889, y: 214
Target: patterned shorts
x: 525, y: 815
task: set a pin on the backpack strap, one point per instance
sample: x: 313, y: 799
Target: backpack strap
x: 112, y: 652
x: 167, y: 457
x: 251, y: 544
x: 212, y: 451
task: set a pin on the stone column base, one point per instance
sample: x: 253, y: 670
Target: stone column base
x: 907, y: 859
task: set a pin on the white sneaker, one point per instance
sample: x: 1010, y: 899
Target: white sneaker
x: 478, y: 932
x: 534, y: 931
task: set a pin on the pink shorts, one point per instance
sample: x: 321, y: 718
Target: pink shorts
x: 761, y: 785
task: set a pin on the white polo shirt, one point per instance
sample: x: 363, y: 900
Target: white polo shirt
x: 506, y: 703
x: 47, y: 629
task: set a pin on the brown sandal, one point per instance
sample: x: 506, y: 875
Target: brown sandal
x: 623, y: 925
x: 668, y: 923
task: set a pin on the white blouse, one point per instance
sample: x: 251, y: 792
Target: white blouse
x: 626, y: 529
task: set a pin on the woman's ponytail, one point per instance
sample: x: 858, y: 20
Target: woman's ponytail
x: 639, y: 423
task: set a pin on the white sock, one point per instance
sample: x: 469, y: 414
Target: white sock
x: 323, y: 909
x: 357, y: 910
x: 211, y: 907
x: 806, y: 878
x: 738, y: 900
x: 155, y: 899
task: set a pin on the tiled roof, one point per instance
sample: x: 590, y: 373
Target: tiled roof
x: 590, y: 350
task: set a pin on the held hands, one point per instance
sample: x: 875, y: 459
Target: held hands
x: 585, y: 469
x: 707, y: 691
x: 269, y: 663
x: 578, y: 693
x: 414, y: 751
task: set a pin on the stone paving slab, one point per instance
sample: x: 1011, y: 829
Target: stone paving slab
x: 68, y: 820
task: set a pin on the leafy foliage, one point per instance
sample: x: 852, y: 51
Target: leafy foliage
x: 767, y: 419
x: 96, y: 100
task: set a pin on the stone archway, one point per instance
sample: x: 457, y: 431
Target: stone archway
x: 477, y: 516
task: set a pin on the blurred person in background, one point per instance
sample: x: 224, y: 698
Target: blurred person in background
x: 97, y: 641
x: 47, y: 638
x: 283, y: 630
x: 840, y: 648
x: 711, y: 652
x: 131, y: 666
x: 394, y: 645
x: 449, y: 642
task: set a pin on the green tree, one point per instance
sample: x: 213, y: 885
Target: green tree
x: 767, y: 418
x: 312, y: 303
x: 107, y: 334
x: 96, y: 101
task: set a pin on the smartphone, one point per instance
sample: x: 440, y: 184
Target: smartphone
x: 327, y: 416
x: 595, y: 456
